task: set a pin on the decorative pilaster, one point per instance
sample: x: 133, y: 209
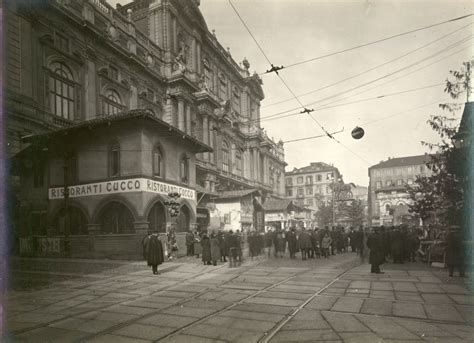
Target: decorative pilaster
x: 205, y: 134
x: 188, y: 119
x: 181, y: 120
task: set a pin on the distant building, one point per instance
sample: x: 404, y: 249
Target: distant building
x: 388, y: 199
x: 285, y: 213
x: 311, y: 185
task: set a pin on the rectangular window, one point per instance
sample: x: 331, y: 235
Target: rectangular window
x: 300, y: 191
x: 299, y: 179
x: 319, y: 177
x: 309, y: 180
x: 329, y: 176
x: 114, y: 161
x: 289, y: 192
x: 410, y: 181
x: 113, y: 73
x: 222, y: 89
x: 236, y: 101
x: 399, y: 182
x: 289, y: 181
x: 310, y: 202
x: 388, y: 183
x: 226, y: 218
x: 309, y: 191
x: 378, y: 184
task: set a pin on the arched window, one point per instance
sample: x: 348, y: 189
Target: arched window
x: 114, y: 159
x: 61, y: 91
x: 225, y: 157
x: 112, y: 103
x: 157, y: 218
x: 387, y: 208
x: 238, y: 162
x: 158, y: 162
x: 184, y: 169
x: 116, y: 218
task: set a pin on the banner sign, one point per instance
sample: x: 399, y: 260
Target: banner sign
x: 121, y: 186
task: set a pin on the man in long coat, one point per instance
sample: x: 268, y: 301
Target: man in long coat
x: 304, y: 243
x: 189, y: 243
x: 222, y: 245
x: 154, y: 251
x: 292, y: 242
x: 377, y: 251
x: 215, y: 249
x: 396, y: 245
x: 206, y: 249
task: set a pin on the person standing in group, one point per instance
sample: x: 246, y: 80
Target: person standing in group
x: 268, y: 242
x: 377, y: 251
x: 304, y: 243
x: 292, y: 242
x: 325, y: 244
x: 222, y: 245
x: 154, y: 252
x: 206, y: 249
x: 396, y: 245
x: 215, y: 249
x: 314, y: 243
x: 189, y: 243
x: 197, y: 244
x: 172, y: 244
x: 232, y: 244
x: 455, y: 251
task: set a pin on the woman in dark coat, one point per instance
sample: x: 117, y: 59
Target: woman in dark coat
x: 206, y: 249
x: 154, y: 251
x: 215, y: 249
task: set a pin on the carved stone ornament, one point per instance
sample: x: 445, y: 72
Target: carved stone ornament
x: 112, y: 32
x: 47, y: 38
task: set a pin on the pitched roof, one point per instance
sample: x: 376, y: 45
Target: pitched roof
x: 403, y: 161
x: 277, y: 204
x: 167, y: 129
x: 236, y: 194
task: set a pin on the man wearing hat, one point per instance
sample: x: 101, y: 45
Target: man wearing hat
x: 377, y: 252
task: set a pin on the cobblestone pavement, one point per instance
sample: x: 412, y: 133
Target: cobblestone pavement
x: 276, y: 300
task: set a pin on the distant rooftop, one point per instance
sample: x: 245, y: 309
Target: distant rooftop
x: 313, y: 167
x: 403, y: 161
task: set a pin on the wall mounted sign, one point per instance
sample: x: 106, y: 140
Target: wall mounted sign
x: 121, y: 186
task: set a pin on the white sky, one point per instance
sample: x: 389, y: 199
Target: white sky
x: 290, y: 31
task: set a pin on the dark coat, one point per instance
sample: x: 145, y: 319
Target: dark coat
x: 222, y: 243
x: 377, y: 249
x: 292, y: 241
x: 396, y: 243
x: 189, y: 238
x: 154, y: 251
x: 215, y: 249
x: 454, y: 249
x: 304, y: 240
x: 206, y: 249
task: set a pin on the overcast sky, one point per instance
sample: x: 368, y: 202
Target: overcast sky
x: 290, y: 31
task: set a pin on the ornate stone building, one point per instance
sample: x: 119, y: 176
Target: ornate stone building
x: 72, y: 62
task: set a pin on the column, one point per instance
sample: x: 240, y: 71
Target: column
x: 168, y: 112
x: 188, y: 119
x: 181, y: 122
x: 199, y: 58
x: 133, y: 97
x: 205, y: 134
x: 212, y: 155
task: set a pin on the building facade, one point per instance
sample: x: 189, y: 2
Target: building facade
x: 70, y: 62
x: 388, y: 199
x: 311, y: 186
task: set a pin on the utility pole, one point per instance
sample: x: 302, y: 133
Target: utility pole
x: 333, y: 202
x: 468, y: 81
x: 67, y: 222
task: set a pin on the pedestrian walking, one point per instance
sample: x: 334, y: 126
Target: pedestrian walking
x: 222, y: 245
x: 268, y: 242
x: 154, y: 252
x: 144, y: 243
x: 280, y: 244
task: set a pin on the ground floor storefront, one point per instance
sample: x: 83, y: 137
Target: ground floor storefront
x: 107, y: 219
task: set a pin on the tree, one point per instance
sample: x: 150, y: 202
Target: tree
x: 442, y: 193
x: 354, y: 211
x: 324, y: 215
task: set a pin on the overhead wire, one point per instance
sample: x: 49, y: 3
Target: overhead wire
x: 462, y: 41
x: 372, y: 42
x: 372, y: 68
x: 290, y: 90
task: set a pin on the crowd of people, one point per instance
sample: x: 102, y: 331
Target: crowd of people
x: 397, y: 244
